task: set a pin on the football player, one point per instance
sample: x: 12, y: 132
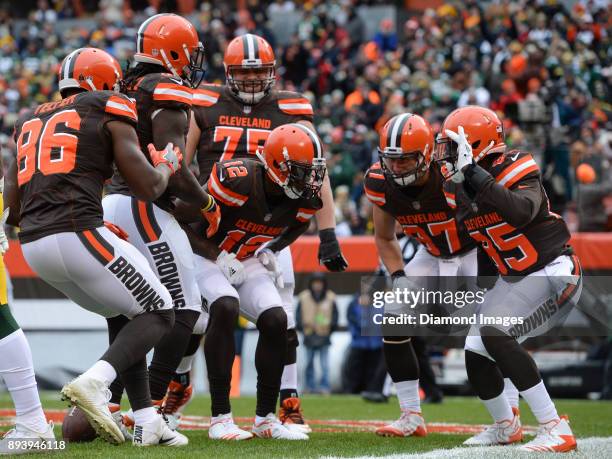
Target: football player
x: 265, y: 206
x: 502, y: 204
x: 406, y: 187
x: 16, y: 368
x: 232, y: 122
x: 65, y: 152
x: 169, y: 62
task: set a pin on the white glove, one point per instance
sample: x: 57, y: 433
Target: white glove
x: 267, y: 258
x: 232, y: 268
x: 464, y: 152
x: 4, y: 243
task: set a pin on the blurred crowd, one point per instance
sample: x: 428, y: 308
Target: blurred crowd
x: 545, y: 68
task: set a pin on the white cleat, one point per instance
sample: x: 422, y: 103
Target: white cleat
x: 499, y: 433
x: 223, y: 428
x: 92, y: 396
x: 410, y: 423
x: 157, y: 433
x: 553, y: 437
x: 23, y: 440
x: 271, y: 427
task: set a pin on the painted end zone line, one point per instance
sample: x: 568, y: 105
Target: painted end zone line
x: 318, y: 425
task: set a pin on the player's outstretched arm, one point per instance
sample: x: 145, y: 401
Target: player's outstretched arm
x: 386, y: 242
x: 146, y: 182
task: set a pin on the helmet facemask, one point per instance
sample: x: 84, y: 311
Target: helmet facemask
x: 407, y: 177
x: 304, y: 180
x: 251, y: 90
x: 193, y: 73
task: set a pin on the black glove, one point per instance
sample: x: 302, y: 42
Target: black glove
x: 329, y: 251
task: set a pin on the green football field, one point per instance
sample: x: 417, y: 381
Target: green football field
x: 344, y: 427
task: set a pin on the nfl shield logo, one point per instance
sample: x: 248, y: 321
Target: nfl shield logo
x: 416, y: 205
x: 267, y: 217
x: 246, y: 109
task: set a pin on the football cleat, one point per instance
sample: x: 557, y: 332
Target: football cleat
x: 499, y: 433
x: 157, y: 432
x: 92, y: 396
x: 553, y: 437
x: 271, y: 427
x: 410, y: 423
x: 176, y: 399
x: 291, y: 415
x: 120, y: 420
x: 23, y: 433
x: 223, y: 428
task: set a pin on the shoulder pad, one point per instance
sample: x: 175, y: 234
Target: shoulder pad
x: 293, y: 103
x: 206, y: 95
x: 165, y: 89
x: 374, y: 185
x: 122, y: 107
x: 514, y: 166
x: 228, y: 183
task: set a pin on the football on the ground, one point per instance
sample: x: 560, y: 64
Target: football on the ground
x: 76, y: 427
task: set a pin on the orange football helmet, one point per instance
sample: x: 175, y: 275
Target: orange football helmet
x: 483, y: 129
x: 293, y: 158
x: 402, y: 138
x: 171, y: 41
x: 250, y: 68
x: 91, y: 69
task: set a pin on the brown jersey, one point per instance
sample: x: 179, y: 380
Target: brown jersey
x: 154, y: 92
x: 423, y: 212
x: 248, y: 217
x: 510, y: 216
x: 64, y: 155
x: 233, y: 130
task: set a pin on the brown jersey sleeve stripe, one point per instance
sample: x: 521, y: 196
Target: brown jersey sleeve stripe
x: 145, y: 220
x: 99, y: 247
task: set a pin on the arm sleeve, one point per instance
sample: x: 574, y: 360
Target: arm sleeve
x: 288, y: 236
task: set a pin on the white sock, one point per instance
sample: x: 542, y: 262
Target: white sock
x: 145, y: 415
x: 540, y: 403
x: 215, y: 418
x: 290, y: 376
x: 186, y: 363
x: 17, y: 370
x: 103, y: 371
x: 511, y: 393
x: 408, y: 395
x: 499, y: 408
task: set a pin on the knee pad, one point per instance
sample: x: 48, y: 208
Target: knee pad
x: 224, y: 312
x: 475, y: 344
x: 272, y: 321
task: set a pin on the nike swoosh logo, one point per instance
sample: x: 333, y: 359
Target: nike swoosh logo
x: 520, y: 187
x: 163, y: 441
x: 515, y: 156
x: 177, y: 81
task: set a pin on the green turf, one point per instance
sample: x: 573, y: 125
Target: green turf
x: 589, y: 418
